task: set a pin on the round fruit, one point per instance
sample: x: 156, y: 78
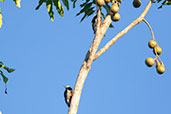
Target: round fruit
x: 114, y: 8
x: 100, y: 2
x: 158, y: 50
x: 116, y: 17
x: 107, y: 1
x: 160, y: 69
x: 136, y: 3
x: 158, y: 63
x: 119, y: 3
x: 152, y: 43
x: 149, y: 62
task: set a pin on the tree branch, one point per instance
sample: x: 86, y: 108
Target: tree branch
x: 135, y: 22
x: 96, y: 41
x: 87, y: 64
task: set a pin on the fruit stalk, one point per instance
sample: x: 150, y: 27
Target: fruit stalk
x: 149, y: 28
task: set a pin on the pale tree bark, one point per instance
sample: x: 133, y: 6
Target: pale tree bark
x: 91, y: 54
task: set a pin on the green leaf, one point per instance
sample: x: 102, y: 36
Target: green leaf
x: 111, y: 26
x: 9, y: 70
x: 66, y: 3
x: 106, y: 7
x: 94, y: 1
x: 165, y: 2
x: 83, y: 17
x: 160, y: 7
x: 81, y: 5
x: 2, y: 0
x: 74, y: 2
x: 159, y: 1
x: 5, y: 79
x: 3, y: 66
x: 85, y: 9
x: 88, y: 13
x: 5, y: 90
x: 40, y: 3
x: 1, y: 63
x: 59, y: 7
x: 17, y: 3
x: 49, y: 6
x: 0, y: 20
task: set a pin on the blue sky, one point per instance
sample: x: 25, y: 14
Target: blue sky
x: 48, y: 55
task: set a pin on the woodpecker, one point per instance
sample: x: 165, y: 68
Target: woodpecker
x: 94, y: 23
x: 68, y: 95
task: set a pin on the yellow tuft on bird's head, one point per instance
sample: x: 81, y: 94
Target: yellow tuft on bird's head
x: 95, y: 16
x: 67, y: 86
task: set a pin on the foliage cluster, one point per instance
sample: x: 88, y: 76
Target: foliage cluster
x: 87, y: 7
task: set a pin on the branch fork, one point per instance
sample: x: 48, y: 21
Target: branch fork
x: 92, y: 55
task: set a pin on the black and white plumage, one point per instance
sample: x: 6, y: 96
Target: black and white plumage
x: 94, y: 23
x: 68, y: 95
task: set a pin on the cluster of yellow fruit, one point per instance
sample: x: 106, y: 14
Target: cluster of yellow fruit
x: 136, y: 3
x: 157, y: 51
x: 114, y: 8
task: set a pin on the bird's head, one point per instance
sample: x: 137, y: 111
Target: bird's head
x: 68, y: 87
